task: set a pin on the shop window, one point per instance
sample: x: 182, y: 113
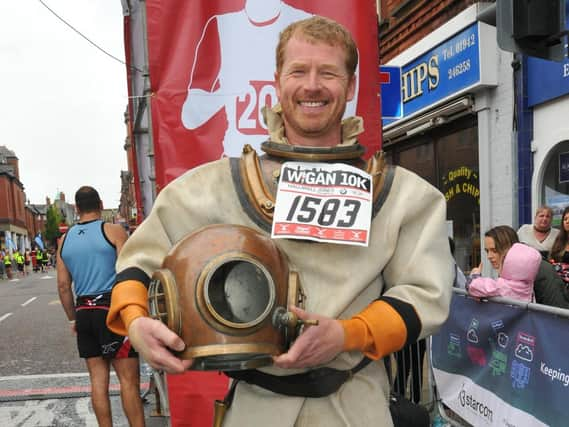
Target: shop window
x: 421, y: 160
x: 447, y: 157
x: 555, y: 188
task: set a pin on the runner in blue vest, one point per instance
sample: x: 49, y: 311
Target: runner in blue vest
x: 86, y: 258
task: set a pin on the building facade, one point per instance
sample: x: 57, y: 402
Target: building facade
x: 35, y: 220
x: 20, y: 221
x: 544, y: 141
x: 66, y: 210
x: 14, y: 217
x: 456, y: 127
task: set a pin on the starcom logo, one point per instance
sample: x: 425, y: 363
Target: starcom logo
x: 469, y: 401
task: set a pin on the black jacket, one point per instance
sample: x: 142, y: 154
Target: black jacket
x: 548, y: 287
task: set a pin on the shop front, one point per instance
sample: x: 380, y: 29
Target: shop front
x: 447, y: 157
x: 451, y: 119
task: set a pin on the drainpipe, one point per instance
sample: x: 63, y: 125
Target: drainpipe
x: 523, y: 123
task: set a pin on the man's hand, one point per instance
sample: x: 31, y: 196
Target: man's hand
x: 153, y: 340
x: 316, y: 345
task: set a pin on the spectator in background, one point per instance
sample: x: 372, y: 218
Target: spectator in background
x: 20, y: 261
x: 33, y: 255
x: 560, y: 248
x: 39, y: 259
x: 548, y: 287
x: 2, y: 268
x: 47, y: 260
x: 517, y: 269
x: 539, y: 235
x: 7, y: 261
x: 27, y: 262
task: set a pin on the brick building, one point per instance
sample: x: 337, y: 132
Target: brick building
x: 21, y: 221
x: 18, y: 222
x: 402, y: 23
x: 35, y: 219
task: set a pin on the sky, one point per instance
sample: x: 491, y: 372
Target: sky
x: 62, y: 101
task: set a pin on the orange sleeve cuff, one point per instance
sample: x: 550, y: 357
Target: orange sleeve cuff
x: 129, y: 301
x: 377, y: 331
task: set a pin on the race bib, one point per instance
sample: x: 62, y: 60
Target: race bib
x: 323, y: 202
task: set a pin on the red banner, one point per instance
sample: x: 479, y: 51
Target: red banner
x: 212, y: 65
x: 212, y: 69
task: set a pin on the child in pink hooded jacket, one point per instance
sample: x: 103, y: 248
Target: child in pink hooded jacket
x: 517, y: 274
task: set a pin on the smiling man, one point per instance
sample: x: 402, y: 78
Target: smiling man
x: 371, y: 297
x: 314, y: 81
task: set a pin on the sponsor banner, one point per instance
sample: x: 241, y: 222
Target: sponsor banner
x: 500, y: 365
x: 475, y: 405
x: 323, y: 202
x: 212, y: 65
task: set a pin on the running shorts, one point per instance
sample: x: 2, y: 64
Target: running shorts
x: 94, y: 339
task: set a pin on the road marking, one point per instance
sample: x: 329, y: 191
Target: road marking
x: 48, y: 391
x: 55, y: 301
x: 15, y: 280
x: 5, y: 316
x: 52, y: 390
x: 83, y: 409
x: 46, y: 277
x: 33, y: 413
x: 28, y: 301
x: 47, y: 376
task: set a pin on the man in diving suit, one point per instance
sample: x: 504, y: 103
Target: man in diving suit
x: 369, y: 301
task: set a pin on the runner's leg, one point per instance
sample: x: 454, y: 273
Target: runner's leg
x: 127, y: 370
x: 99, y: 374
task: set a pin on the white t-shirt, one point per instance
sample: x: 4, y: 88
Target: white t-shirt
x: 527, y: 236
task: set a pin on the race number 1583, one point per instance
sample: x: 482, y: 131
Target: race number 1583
x: 329, y: 212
